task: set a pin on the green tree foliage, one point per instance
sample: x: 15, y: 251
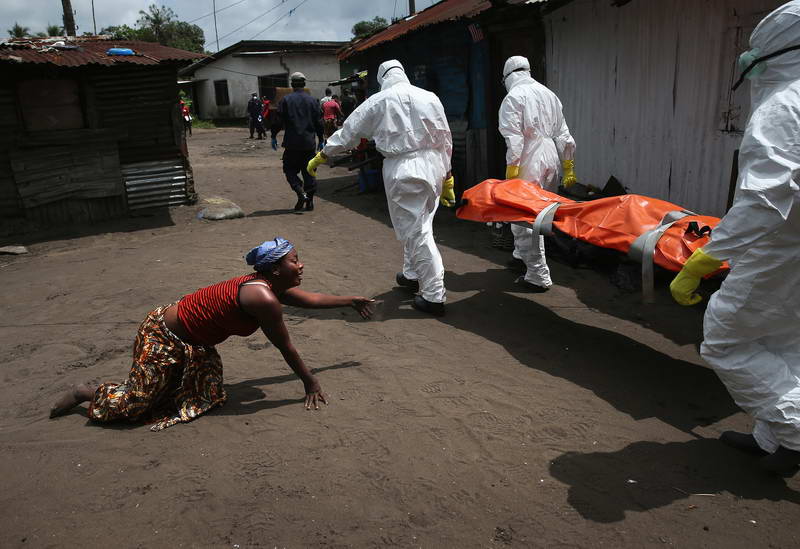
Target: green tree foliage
x: 185, y: 36
x: 54, y: 30
x: 156, y: 19
x: 161, y: 25
x: 365, y: 28
x: 18, y: 31
x: 124, y: 32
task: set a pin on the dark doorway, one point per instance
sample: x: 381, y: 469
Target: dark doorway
x: 524, y: 38
x: 268, y: 83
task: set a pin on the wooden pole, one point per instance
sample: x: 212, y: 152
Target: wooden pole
x: 69, y: 17
x: 94, y: 21
x: 214, y: 4
x: 412, y: 8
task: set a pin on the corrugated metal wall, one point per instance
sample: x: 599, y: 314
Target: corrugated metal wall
x: 74, y: 176
x: 139, y: 103
x: 645, y: 89
x: 10, y: 205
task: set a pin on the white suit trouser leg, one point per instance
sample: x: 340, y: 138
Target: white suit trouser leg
x: 532, y: 253
x: 423, y: 262
x: 754, y: 347
x: 412, y: 201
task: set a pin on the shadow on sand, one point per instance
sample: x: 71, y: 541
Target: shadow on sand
x: 25, y: 233
x: 634, y: 378
x: 603, y: 486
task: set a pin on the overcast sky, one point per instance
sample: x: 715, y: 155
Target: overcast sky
x: 310, y: 20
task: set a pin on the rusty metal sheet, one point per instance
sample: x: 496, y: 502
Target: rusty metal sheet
x: 443, y: 11
x: 88, y: 51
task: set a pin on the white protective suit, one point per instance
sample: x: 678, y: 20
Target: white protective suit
x: 536, y: 135
x: 752, y: 324
x: 411, y: 131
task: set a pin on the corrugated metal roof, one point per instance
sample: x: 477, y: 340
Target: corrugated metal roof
x: 79, y: 51
x: 443, y: 11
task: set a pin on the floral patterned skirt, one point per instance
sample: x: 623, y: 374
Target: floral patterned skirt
x: 170, y: 381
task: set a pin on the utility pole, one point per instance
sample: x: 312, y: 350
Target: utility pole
x: 69, y: 18
x: 214, y: 4
x: 94, y: 21
x: 412, y: 8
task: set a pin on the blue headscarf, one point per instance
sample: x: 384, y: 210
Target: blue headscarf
x: 267, y: 254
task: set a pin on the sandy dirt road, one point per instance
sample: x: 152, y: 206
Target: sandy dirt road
x: 577, y: 418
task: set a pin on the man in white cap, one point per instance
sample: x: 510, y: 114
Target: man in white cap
x: 751, y: 327
x: 410, y: 130
x: 537, y: 136
x: 299, y: 115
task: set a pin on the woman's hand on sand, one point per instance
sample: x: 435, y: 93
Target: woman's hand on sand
x: 314, y: 394
x: 362, y: 305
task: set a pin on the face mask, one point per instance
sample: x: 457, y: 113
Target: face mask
x: 748, y: 58
x: 751, y: 63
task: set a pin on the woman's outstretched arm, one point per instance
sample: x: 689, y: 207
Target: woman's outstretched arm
x: 310, y: 300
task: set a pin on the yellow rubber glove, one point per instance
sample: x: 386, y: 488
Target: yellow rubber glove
x: 696, y: 267
x: 314, y: 162
x: 448, y: 198
x: 569, y: 178
x: 512, y: 172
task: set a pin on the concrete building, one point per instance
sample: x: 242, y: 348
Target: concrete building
x: 221, y: 84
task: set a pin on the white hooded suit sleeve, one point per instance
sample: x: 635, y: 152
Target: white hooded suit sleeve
x: 767, y: 189
x: 361, y: 124
x: 447, y: 145
x: 510, y: 125
x: 563, y: 139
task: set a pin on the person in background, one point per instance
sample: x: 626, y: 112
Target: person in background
x: 751, y: 329
x: 177, y: 373
x: 410, y: 130
x: 327, y: 97
x: 331, y: 113
x: 299, y: 115
x: 537, y: 136
x: 254, y: 116
x: 265, y: 113
x: 186, y: 115
x: 348, y: 103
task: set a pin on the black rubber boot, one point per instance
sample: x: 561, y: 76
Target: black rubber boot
x: 310, y: 202
x: 425, y: 306
x: 301, y: 201
x: 404, y: 282
x: 530, y: 286
x: 744, y: 442
x: 783, y: 462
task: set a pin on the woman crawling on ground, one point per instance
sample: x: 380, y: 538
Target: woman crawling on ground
x: 177, y: 374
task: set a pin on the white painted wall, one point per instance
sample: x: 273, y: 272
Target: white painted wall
x: 646, y: 92
x: 318, y: 68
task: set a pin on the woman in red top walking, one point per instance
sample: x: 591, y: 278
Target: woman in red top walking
x: 177, y: 373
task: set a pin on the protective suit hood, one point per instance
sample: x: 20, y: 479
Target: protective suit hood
x: 516, y: 70
x: 390, y: 73
x: 778, y: 30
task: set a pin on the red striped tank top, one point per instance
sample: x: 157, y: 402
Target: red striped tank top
x: 212, y: 314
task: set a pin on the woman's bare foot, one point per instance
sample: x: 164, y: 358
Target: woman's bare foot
x: 74, y: 396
